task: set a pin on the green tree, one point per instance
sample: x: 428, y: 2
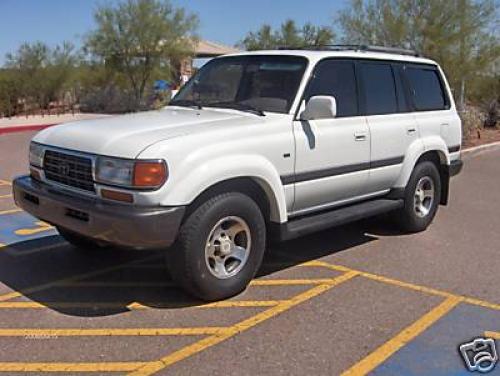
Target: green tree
x: 459, y: 34
x: 62, y: 70
x: 288, y: 35
x: 138, y: 37
x: 29, y: 64
x: 42, y: 73
x: 10, y: 93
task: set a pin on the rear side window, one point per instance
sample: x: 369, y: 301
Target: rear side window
x: 337, y: 78
x: 379, y: 88
x: 426, y: 89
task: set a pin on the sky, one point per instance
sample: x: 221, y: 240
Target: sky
x: 224, y: 21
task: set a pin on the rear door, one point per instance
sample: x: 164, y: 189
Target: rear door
x: 392, y: 126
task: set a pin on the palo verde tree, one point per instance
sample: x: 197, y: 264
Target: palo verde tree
x: 136, y: 38
x: 459, y: 34
x: 41, y: 73
x: 288, y: 35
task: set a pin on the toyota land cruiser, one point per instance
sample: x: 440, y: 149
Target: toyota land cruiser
x: 257, y: 145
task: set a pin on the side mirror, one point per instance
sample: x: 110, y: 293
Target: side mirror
x: 320, y: 107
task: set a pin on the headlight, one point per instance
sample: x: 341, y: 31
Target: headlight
x: 36, y: 154
x: 131, y: 173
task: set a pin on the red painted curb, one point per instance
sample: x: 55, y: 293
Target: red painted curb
x: 24, y: 128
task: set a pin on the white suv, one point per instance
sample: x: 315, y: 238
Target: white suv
x: 260, y: 145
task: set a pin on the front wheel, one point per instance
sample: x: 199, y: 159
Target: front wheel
x: 220, y: 247
x: 422, y: 197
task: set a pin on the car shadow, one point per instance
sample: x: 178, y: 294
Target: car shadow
x: 49, y: 272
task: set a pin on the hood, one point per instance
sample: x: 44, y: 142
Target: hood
x: 127, y: 135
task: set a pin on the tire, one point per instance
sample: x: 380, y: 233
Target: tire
x: 80, y: 242
x: 211, y: 264
x: 416, y: 214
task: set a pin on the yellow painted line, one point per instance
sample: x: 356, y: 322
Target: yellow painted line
x: 377, y: 357
x: 5, y: 182
x: 257, y: 282
x: 481, y: 303
x: 242, y: 303
x: 292, y: 282
x: 317, y: 263
x: 108, y: 332
x: 137, y: 306
x: 494, y: 335
x: 55, y: 283
x: 5, y: 196
x: 41, y: 227
x: 207, y: 342
x: 407, y: 285
x: 11, y: 211
x: 70, y: 367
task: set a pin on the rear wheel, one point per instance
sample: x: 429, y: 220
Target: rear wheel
x: 220, y: 247
x: 421, y: 199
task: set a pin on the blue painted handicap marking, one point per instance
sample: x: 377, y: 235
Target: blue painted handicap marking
x: 19, y: 227
x: 436, y: 351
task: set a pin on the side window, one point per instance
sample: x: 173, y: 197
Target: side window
x: 336, y: 78
x: 379, y: 88
x: 426, y: 89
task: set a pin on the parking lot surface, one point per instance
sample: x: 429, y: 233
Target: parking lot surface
x: 358, y: 299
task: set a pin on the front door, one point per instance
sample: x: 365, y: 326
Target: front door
x: 332, y: 155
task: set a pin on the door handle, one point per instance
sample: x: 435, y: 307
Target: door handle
x: 360, y: 136
x: 411, y: 130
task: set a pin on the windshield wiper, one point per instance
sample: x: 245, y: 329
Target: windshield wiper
x: 186, y: 103
x: 238, y: 106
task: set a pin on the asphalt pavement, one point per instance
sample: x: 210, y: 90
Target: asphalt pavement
x: 358, y: 299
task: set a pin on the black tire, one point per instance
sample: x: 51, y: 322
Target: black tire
x: 80, y: 242
x: 186, y: 260
x: 409, y: 218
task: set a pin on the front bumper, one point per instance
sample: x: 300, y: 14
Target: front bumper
x: 120, y: 224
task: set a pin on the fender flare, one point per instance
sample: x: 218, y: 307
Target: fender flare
x: 212, y: 172
x: 415, y: 151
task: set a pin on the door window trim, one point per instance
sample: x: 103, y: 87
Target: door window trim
x: 396, y: 65
x: 296, y: 116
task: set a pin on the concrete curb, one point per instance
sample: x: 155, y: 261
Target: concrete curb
x: 481, y: 147
x: 24, y: 128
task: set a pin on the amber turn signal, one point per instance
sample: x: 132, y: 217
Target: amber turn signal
x: 149, y: 174
x: 117, y: 196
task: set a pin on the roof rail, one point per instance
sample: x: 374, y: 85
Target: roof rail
x: 356, y: 47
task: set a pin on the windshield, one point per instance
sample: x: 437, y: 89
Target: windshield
x: 248, y: 83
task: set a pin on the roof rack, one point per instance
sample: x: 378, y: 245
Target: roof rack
x: 356, y: 47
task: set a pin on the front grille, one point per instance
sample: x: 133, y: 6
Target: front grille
x: 71, y: 170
